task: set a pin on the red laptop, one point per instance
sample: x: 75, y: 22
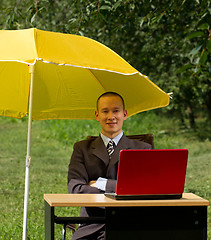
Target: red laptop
x: 151, y: 174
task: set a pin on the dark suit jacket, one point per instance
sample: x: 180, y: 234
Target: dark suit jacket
x: 89, y: 161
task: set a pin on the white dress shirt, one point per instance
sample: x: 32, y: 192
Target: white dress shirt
x: 101, y: 182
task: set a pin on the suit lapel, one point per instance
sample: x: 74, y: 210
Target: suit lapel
x: 124, y: 143
x: 98, y: 149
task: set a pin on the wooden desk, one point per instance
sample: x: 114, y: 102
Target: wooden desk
x: 178, y: 219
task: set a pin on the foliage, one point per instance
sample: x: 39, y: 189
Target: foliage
x: 167, y: 40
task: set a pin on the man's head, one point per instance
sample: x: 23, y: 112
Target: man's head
x: 110, y: 94
x: 111, y: 113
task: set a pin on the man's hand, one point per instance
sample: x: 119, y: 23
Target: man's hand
x: 92, y: 183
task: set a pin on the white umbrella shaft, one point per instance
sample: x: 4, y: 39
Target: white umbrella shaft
x: 28, y: 157
x: 26, y: 197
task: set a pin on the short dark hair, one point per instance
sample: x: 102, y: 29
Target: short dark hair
x: 106, y: 94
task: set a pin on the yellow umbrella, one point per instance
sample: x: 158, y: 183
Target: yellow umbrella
x: 70, y: 73
x: 64, y: 74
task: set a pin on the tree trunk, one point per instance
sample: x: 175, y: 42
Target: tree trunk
x: 208, y: 104
x: 191, y: 116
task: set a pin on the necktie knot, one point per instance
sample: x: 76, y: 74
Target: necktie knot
x: 110, y: 148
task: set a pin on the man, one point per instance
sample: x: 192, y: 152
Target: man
x: 93, y: 168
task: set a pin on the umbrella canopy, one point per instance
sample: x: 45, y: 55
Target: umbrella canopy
x: 70, y: 72
x: 61, y: 76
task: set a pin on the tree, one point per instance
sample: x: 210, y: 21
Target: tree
x: 167, y: 40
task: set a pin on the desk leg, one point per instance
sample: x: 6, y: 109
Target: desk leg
x: 160, y: 223
x: 49, y: 222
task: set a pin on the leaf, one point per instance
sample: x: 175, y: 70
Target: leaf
x: 185, y: 67
x: 33, y: 18
x: 194, y: 51
x: 204, y: 26
x: 197, y: 60
x: 105, y: 7
x: 142, y: 22
x: 72, y: 20
x: 195, y: 34
x: 197, y: 69
x: 203, y: 58
x: 209, y: 45
x: 183, y: 2
x: 108, y: 2
x: 117, y: 4
x: 209, y: 69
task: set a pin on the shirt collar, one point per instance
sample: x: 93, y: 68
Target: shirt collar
x: 106, y: 139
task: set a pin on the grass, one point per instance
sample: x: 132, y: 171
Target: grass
x: 52, y: 143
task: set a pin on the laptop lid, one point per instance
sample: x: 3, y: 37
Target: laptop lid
x: 151, y: 172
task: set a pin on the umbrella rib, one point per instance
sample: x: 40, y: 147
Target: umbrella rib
x: 90, y: 71
x: 89, y: 68
x: 66, y: 64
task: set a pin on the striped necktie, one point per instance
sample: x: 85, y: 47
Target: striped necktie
x: 110, y: 148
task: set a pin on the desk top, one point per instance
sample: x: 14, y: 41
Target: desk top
x: 99, y: 200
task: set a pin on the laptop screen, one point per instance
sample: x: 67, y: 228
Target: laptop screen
x: 149, y: 172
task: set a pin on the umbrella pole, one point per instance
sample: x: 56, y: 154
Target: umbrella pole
x: 28, y: 157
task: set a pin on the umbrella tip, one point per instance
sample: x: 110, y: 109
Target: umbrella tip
x: 170, y: 95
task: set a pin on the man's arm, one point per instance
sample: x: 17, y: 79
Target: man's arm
x: 78, y: 181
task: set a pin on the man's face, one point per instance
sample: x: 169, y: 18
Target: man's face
x: 111, y: 115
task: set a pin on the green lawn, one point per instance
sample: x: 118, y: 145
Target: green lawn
x: 52, y: 143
